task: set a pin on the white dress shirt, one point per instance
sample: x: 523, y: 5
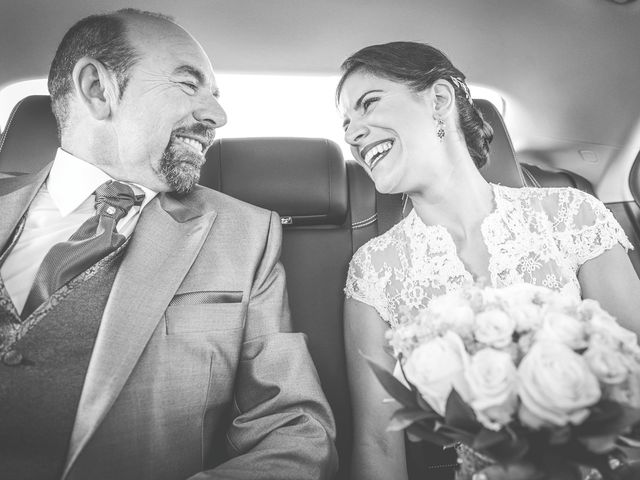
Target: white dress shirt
x: 64, y: 202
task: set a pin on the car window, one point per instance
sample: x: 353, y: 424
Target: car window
x: 261, y: 105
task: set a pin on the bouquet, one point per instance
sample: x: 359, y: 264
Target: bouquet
x: 518, y: 373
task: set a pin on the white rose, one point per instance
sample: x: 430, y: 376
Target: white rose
x: 590, y: 308
x: 559, y: 302
x: 528, y: 317
x: 490, y: 297
x: 627, y: 392
x: 558, y: 327
x: 604, y: 329
x: 609, y: 365
x: 452, y: 311
x: 494, y: 328
x: 436, y: 367
x: 556, y: 386
x: 522, y: 302
x: 492, y: 379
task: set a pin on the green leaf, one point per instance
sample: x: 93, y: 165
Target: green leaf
x: 392, y: 385
x: 460, y: 415
x: 417, y: 432
x: 404, y: 417
x: 486, y: 438
x: 455, y: 434
x: 598, y: 444
x: 557, y: 469
x: 509, y: 451
x: 631, y: 454
x: 608, y: 418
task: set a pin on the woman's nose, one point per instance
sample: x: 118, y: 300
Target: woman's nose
x: 355, y: 132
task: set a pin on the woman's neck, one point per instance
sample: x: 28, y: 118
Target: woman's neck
x: 459, y: 202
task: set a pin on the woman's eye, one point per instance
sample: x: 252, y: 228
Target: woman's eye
x: 368, y: 102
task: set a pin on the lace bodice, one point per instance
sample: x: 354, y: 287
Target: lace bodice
x: 534, y: 235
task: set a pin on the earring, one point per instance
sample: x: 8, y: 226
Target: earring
x: 440, y: 130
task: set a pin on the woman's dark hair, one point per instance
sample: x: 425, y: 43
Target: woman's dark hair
x: 418, y: 66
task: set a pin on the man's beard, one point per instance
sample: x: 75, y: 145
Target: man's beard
x: 180, y: 169
x: 179, y: 166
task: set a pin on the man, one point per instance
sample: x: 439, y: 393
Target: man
x: 167, y: 355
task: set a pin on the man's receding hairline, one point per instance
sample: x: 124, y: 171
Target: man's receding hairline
x: 131, y: 17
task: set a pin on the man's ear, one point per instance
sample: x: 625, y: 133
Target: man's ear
x: 96, y: 87
x: 444, y: 98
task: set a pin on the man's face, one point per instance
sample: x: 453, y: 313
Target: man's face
x: 168, y: 113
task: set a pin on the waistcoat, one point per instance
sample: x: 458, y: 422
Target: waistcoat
x: 39, y: 396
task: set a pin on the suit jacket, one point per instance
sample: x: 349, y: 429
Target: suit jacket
x: 195, y: 372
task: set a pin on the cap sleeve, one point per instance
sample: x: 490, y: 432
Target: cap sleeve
x: 364, y: 283
x: 585, y: 227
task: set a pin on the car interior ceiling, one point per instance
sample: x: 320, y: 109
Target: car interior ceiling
x: 329, y: 208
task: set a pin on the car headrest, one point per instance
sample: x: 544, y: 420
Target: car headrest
x: 30, y: 138
x: 634, y: 179
x: 502, y: 167
x: 303, y: 179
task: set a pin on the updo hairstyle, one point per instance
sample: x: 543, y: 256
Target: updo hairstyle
x: 418, y: 66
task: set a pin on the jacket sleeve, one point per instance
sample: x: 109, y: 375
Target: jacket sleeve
x: 283, y: 427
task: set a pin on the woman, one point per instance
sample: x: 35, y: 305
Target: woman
x: 412, y: 125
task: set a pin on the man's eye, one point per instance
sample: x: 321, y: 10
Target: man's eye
x: 368, y: 102
x: 190, y: 86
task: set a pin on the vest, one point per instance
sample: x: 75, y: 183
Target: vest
x: 39, y: 396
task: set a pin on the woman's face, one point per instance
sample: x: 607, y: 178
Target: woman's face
x: 391, y: 130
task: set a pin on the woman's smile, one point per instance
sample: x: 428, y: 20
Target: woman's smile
x: 373, y: 153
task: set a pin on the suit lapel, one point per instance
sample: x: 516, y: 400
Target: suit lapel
x: 164, y: 245
x: 16, y: 194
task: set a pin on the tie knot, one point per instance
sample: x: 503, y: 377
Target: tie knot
x: 115, y: 199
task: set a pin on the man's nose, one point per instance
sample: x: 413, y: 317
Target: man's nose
x: 210, y: 111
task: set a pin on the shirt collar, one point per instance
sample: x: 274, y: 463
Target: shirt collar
x: 72, y: 180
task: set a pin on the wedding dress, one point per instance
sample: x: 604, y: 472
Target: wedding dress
x: 534, y: 235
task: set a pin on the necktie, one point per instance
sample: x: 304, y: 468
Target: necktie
x: 95, y: 239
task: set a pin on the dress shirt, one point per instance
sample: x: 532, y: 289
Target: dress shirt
x: 63, y: 203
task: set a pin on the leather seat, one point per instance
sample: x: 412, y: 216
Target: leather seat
x: 634, y: 179
x: 628, y: 213
x: 30, y: 138
x: 305, y: 181
x: 503, y: 167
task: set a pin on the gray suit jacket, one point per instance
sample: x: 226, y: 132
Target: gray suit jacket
x: 195, y: 372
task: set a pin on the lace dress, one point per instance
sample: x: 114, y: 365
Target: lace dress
x: 534, y: 235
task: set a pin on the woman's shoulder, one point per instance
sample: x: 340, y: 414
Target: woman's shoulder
x: 551, y: 193
x: 372, y: 267
x: 553, y: 201
x: 384, y: 244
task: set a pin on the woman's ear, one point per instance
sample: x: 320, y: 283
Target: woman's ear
x: 96, y: 87
x: 444, y: 98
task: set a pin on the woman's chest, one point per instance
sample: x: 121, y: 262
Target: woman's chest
x: 432, y: 264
